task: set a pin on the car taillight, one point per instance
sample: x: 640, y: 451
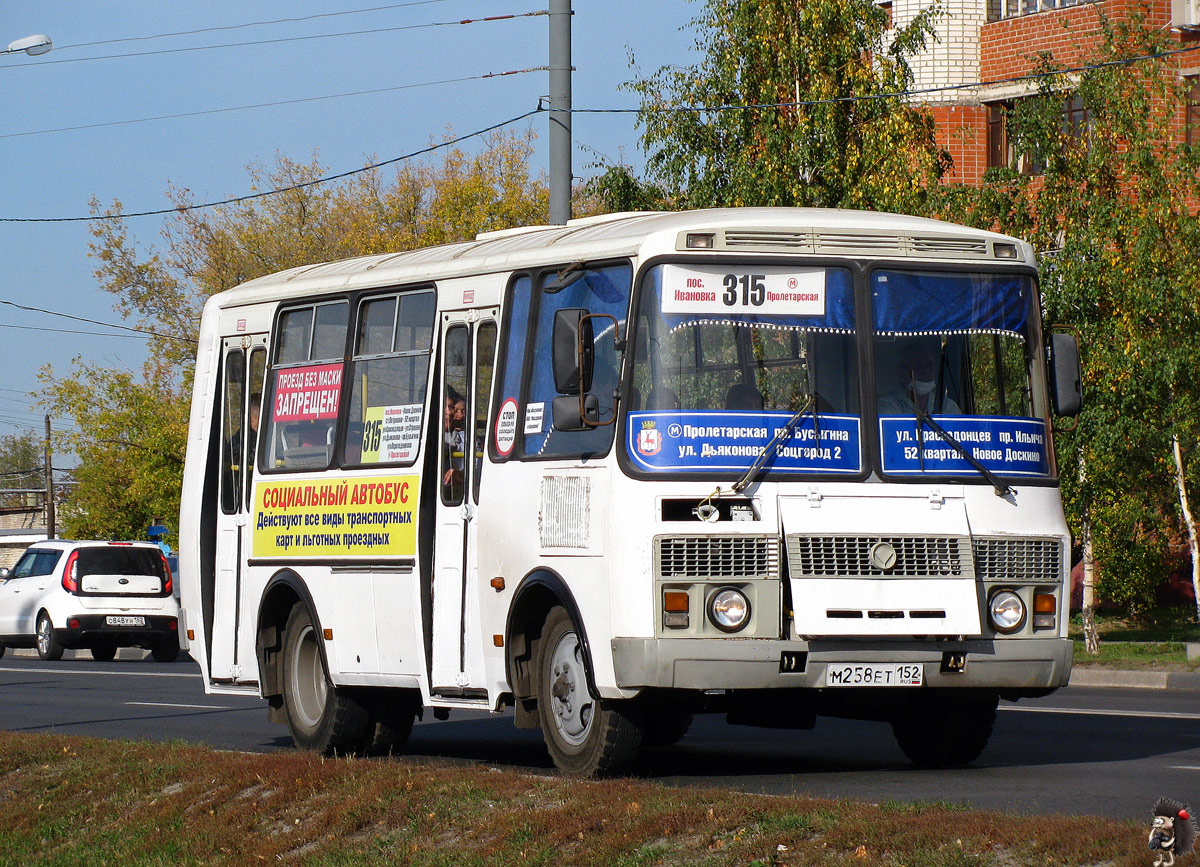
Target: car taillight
x: 167, y: 587
x: 70, y: 582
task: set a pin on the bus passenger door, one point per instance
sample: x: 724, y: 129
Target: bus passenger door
x: 244, y: 366
x: 467, y: 361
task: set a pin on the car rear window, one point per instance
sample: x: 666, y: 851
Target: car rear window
x: 119, y: 561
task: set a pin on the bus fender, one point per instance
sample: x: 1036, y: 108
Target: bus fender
x: 283, y: 591
x: 538, y: 592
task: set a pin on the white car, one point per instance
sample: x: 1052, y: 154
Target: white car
x: 98, y: 595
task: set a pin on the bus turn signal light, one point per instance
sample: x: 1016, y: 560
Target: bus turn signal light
x: 1043, y: 603
x: 675, y: 601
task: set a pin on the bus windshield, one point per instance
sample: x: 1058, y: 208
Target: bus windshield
x: 954, y: 372
x: 726, y: 355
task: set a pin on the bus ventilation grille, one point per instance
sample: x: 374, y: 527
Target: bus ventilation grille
x: 1019, y: 560
x: 851, y: 556
x: 717, y: 557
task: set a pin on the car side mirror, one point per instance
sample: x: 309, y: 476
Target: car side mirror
x: 1066, y: 389
x: 4, y: 573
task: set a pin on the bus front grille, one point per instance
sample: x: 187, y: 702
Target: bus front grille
x: 720, y: 558
x: 878, y: 556
x: 1019, y: 560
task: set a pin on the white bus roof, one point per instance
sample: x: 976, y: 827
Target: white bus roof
x: 812, y: 231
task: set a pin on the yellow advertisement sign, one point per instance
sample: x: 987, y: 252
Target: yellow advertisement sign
x: 372, y: 517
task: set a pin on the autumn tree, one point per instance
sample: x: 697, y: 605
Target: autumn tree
x: 795, y: 102
x: 131, y: 430
x: 21, y: 457
x: 1112, y: 209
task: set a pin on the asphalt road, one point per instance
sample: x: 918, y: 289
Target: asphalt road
x: 1096, y: 751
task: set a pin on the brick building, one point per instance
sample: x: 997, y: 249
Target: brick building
x: 994, y: 41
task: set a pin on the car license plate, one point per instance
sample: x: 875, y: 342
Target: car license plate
x: 124, y: 620
x: 875, y: 674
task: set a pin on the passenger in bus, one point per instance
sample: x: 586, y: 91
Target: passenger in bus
x: 744, y: 396
x: 918, y: 376
x: 454, y: 438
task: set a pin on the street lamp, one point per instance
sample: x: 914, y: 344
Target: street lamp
x: 31, y: 45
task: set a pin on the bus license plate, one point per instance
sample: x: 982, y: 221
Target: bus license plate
x: 124, y: 620
x: 875, y: 674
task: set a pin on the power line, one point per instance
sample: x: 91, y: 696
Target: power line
x: 181, y: 208
x: 247, y: 24
x: 282, y: 40
x: 144, y: 336
x: 272, y: 104
x: 141, y: 331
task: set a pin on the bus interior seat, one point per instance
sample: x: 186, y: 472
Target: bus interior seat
x: 661, y: 397
x: 744, y: 395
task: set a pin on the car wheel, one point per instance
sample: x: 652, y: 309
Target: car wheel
x: 48, y: 647
x: 320, y: 716
x: 104, y: 652
x: 2, y: 648
x: 584, y: 735
x: 165, y: 652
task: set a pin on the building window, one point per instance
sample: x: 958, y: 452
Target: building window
x: 1015, y: 8
x: 1192, y: 119
x: 1076, y: 119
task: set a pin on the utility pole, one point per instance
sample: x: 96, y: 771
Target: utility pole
x: 560, y: 111
x: 49, y: 485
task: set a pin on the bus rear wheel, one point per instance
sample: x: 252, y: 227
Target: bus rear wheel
x: 944, y: 731
x: 585, y: 735
x: 320, y: 717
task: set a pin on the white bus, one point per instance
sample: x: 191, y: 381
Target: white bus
x: 771, y: 463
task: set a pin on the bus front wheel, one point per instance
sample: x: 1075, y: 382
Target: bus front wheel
x: 944, y: 731
x: 320, y: 716
x: 585, y: 735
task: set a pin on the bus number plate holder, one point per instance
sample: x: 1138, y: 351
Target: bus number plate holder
x: 875, y: 674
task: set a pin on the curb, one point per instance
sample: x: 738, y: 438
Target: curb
x: 1135, y: 679
x: 124, y: 654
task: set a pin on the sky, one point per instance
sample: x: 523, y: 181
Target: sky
x: 74, y: 128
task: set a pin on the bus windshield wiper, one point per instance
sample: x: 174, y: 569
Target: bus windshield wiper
x: 924, y: 418
x: 780, y: 435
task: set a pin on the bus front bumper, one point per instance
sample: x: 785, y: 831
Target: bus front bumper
x: 1016, y: 665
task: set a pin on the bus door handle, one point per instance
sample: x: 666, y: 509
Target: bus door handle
x: 467, y: 513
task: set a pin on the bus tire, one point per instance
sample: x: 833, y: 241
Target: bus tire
x: 585, y: 735
x: 664, y: 728
x: 321, y: 717
x: 945, y: 731
x: 393, y: 713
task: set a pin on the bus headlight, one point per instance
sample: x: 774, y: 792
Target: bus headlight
x: 1006, y: 611
x: 729, y: 610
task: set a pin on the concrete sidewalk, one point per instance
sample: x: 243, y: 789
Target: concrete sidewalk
x: 1098, y: 676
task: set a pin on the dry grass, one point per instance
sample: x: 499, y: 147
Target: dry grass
x: 79, y: 801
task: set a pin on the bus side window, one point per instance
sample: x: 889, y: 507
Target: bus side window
x: 455, y: 379
x: 485, y: 365
x: 305, y: 384
x: 232, y: 414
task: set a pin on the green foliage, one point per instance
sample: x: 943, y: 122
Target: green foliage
x: 19, y: 453
x: 131, y: 431
x: 826, y: 126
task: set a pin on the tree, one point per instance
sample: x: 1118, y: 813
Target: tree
x: 1114, y: 212
x: 131, y: 430
x: 21, y: 457
x: 825, y: 124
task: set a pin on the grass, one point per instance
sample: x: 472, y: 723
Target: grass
x: 1152, y: 641
x: 78, y: 801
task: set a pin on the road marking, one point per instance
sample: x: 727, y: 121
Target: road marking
x: 1183, y: 768
x: 190, y: 706
x: 91, y: 672
x: 1082, y: 711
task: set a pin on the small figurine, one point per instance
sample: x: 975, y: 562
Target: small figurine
x: 1172, y: 833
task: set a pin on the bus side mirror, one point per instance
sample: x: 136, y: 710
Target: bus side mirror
x: 574, y: 351
x: 1066, y: 389
x: 576, y: 412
